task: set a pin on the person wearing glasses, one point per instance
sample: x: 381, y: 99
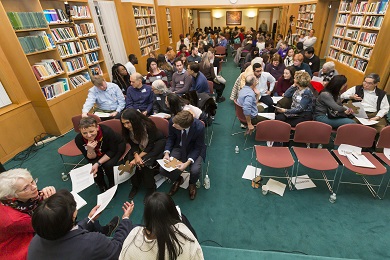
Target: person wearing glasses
x: 373, y: 99
x: 19, y: 197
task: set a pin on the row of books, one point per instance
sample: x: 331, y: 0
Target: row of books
x: 373, y: 21
x: 27, y: 20
x: 333, y: 53
x: 306, y: 16
x: 53, y: 90
x: 74, y: 64
x: 353, y: 62
x: 148, y: 40
x: 348, y: 46
x: 37, y: 41
x: 339, y: 31
x: 80, y: 79
x: 47, y: 68
x: 145, y: 21
x: 68, y: 49
x: 92, y: 57
x: 307, y: 8
x: 96, y: 70
x: 360, y: 7
x: 336, y: 42
x: 356, y: 20
x: 80, y: 11
x: 342, y: 19
x: 139, y: 11
x: 345, y: 6
x: 379, y: 7
x: 55, y: 16
x: 90, y: 43
x: 352, y: 34
x: 368, y: 38
x: 306, y: 25
x: 145, y: 51
x: 144, y: 31
x: 63, y: 34
x: 85, y: 29
x: 363, y: 51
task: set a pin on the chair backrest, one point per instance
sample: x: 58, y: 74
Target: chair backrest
x: 114, y: 124
x: 211, y: 87
x: 312, y: 132
x: 355, y: 134
x: 384, y: 138
x: 162, y: 124
x: 76, y: 121
x: 273, y: 130
x: 239, y: 112
x: 236, y: 46
x: 220, y: 50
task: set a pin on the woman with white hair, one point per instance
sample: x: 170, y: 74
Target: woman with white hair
x: 19, y: 197
x: 328, y: 71
x: 160, y: 91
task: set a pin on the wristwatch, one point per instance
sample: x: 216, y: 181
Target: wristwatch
x: 99, y: 163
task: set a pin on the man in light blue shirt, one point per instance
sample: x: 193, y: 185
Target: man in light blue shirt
x: 107, y: 96
x: 247, y: 99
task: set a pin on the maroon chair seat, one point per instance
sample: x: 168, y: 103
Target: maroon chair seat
x: 274, y: 157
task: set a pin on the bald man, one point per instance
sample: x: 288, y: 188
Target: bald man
x: 139, y: 96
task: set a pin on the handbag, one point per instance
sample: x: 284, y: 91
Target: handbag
x: 332, y: 114
x: 220, y: 79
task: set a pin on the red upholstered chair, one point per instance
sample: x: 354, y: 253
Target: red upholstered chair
x: 314, y: 132
x: 162, y: 124
x: 361, y: 136
x: 384, y: 142
x: 317, y: 86
x: 220, y: 52
x: 70, y: 149
x: 241, y: 117
x: 116, y: 126
x: 274, y: 157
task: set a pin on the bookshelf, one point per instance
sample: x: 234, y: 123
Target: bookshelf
x: 146, y: 25
x: 168, y: 14
x: 358, y: 25
x: 57, y: 54
x: 305, y: 18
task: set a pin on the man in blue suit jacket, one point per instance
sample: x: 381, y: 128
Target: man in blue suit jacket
x: 185, y: 143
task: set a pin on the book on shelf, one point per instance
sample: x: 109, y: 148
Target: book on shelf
x: 54, y: 16
x: 37, y: 41
x: 74, y: 64
x: 55, y: 89
x: 47, y: 68
x: 368, y: 38
x: 80, y: 11
x: 345, y: 6
x: 89, y: 44
x: 69, y: 49
x: 63, y: 34
x: 27, y: 20
x: 92, y: 57
x: 360, y: 7
x: 80, y: 79
x: 85, y: 29
x: 96, y: 70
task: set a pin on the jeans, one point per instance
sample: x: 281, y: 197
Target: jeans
x: 334, y: 122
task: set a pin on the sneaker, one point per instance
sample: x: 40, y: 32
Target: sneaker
x: 111, y: 226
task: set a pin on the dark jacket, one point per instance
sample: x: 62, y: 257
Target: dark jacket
x: 379, y: 92
x: 159, y: 105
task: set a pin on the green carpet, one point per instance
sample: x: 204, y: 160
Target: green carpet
x: 234, y: 215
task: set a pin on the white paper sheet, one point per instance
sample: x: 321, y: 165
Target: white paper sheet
x: 102, y: 114
x: 268, y: 115
x: 81, y: 178
x: 186, y: 177
x: 80, y: 202
x: 365, y: 121
x: 386, y: 151
x: 317, y: 79
x: 103, y: 199
x: 162, y: 115
x: 262, y: 104
x: 361, y: 113
x: 159, y: 179
x: 216, y: 71
x: 178, y: 210
x: 162, y: 164
x: 303, y: 182
x: 344, y: 149
x: 276, y: 99
x: 118, y: 179
x: 276, y: 187
x: 359, y: 160
x: 251, y: 172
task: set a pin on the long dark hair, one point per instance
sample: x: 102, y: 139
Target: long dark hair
x: 334, y: 86
x: 292, y: 72
x: 162, y: 63
x: 175, y: 103
x: 160, y: 216
x: 122, y: 81
x: 140, y: 124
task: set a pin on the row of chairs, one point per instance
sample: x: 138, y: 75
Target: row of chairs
x: 313, y: 132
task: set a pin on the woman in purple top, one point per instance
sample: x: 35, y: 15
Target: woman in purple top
x: 283, y: 49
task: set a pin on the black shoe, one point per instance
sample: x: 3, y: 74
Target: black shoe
x: 111, y: 226
x: 102, y: 188
x: 221, y: 99
x: 175, y: 186
x: 133, y: 192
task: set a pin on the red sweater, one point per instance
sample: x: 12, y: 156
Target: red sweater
x: 16, y: 233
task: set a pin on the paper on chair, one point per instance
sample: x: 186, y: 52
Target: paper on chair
x: 81, y: 178
x: 118, y: 179
x: 267, y: 115
x: 365, y: 121
x: 102, y: 114
x: 80, y: 202
x: 276, y: 99
x: 276, y: 187
x: 186, y: 177
x: 386, y: 152
x: 103, y: 199
x: 344, y: 149
x: 359, y: 160
x: 303, y: 182
x: 251, y: 172
x: 162, y: 115
x: 159, y: 179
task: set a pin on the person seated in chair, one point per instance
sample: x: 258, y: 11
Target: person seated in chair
x: 263, y: 78
x: 139, y: 96
x: 185, y: 143
x: 312, y: 60
x: 102, y: 147
x: 199, y: 81
x: 373, y: 99
x: 107, y: 97
x: 181, y: 79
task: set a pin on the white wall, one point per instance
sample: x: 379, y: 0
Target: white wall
x: 246, y: 21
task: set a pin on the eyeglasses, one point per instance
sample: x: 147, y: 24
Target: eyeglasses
x: 368, y: 83
x: 30, y: 186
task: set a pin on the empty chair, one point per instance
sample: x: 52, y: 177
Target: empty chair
x: 361, y: 136
x: 220, y: 52
x: 274, y: 157
x: 384, y: 142
x: 314, y: 132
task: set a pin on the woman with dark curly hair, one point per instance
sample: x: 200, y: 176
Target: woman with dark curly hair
x: 121, y: 77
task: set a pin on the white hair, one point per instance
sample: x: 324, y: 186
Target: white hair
x: 329, y: 66
x: 160, y: 86
x: 8, y: 180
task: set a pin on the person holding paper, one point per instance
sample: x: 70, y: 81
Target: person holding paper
x: 185, y: 143
x: 167, y: 234
x: 329, y: 98
x: 102, y: 147
x: 19, y: 197
x: 373, y: 99
x: 107, y: 97
x: 59, y: 237
x: 302, y: 101
x: 147, y: 145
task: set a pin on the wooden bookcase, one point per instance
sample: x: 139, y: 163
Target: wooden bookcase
x: 359, y: 36
x: 305, y: 18
x: 168, y: 14
x: 56, y: 112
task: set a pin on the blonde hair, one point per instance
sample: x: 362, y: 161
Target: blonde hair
x: 303, y: 78
x: 8, y: 180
